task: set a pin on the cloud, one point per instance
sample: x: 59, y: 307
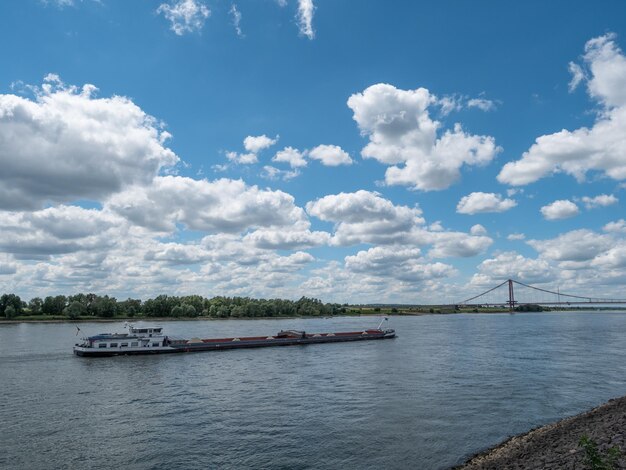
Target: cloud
x: 478, y: 230
x: 456, y: 244
x: 582, y: 262
x: 562, y: 209
x: 512, y: 265
x: 287, y: 239
x: 7, y: 268
x: 255, y: 144
x: 599, y: 148
x: 603, y: 200
x: 403, y: 135
x: 450, y: 103
x: 365, y: 217
x: 236, y: 14
x: 403, y: 264
x: 516, y: 236
x: 66, y: 144
x: 59, y: 3
x: 242, y: 158
x: 185, y: 16
x: 578, y: 75
x: 618, y: 226
x: 223, y: 205
x: 577, y: 245
x: 361, y: 206
x: 330, y: 155
x: 479, y: 202
x: 305, y: 18
x: 613, y: 259
x: 482, y: 104
x: 56, y: 230
x: 272, y: 173
x: 292, y: 156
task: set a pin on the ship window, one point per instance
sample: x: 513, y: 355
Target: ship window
x: 155, y: 344
x: 124, y: 345
x: 134, y: 344
x: 102, y: 345
x: 114, y: 345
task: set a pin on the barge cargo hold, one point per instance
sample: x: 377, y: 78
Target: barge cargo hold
x: 151, y: 340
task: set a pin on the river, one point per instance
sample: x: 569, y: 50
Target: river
x: 448, y: 386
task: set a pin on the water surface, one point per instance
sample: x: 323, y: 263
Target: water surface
x: 447, y: 387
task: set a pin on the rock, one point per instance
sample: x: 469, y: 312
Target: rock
x: 556, y: 445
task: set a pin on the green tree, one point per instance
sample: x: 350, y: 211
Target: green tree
x: 34, y: 305
x: 10, y: 300
x: 75, y: 310
x: 105, y: 306
x: 130, y: 307
x: 10, y: 312
x: 176, y: 311
x: 189, y: 310
x: 54, y: 305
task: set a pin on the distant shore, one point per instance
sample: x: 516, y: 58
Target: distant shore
x: 366, y: 313
x: 558, y: 445
x: 166, y: 319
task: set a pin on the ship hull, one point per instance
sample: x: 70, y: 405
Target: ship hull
x: 238, y: 343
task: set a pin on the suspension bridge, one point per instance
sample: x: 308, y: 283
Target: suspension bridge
x: 514, y: 294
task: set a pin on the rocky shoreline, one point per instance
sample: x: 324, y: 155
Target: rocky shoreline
x: 557, y: 445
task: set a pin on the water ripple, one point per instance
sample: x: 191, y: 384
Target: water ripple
x: 447, y: 387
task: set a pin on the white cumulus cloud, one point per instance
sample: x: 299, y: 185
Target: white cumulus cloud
x: 479, y: 202
x: 257, y: 143
x: 512, y: 265
x: 402, y: 135
x: 66, y: 144
x: 366, y: 217
x: 619, y: 226
x: 561, y: 209
x: 602, y: 200
x: 242, y: 158
x: 478, y: 230
x: 600, y: 148
x: 403, y: 264
x: 292, y: 156
x: 222, y: 205
x: 577, y: 245
x: 330, y: 155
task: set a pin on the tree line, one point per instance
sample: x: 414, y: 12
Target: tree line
x: 103, y: 306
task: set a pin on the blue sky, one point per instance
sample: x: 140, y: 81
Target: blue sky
x: 351, y: 151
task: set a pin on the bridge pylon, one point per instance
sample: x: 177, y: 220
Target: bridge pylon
x: 511, y: 296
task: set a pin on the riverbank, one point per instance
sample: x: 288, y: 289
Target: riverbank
x: 57, y: 319
x: 557, y: 445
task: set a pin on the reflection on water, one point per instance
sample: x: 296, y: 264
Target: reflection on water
x: 447, y: 387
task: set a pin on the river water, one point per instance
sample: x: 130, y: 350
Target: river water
x: 447, y: 387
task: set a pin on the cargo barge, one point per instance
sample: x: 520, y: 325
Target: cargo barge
x: 151, y: 340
